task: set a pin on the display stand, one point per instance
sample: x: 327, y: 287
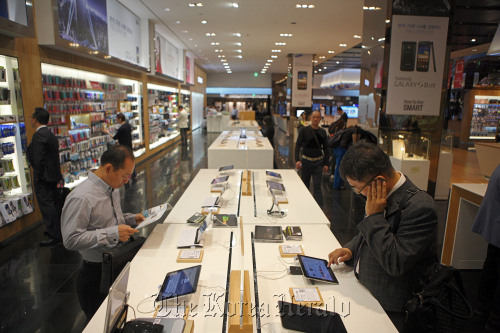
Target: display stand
x: 246, y: 184
x: 190, y: 257
x: 319, y: 302
x: 286, y: 254
x: 240, y: 309
x: 416, y: 169
x: 163, y: 112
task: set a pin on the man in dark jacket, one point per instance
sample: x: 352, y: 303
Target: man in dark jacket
x: 43, y: 156
x: 487, y: 224
x: 395, y: 248
x: 312, y: 155
x: 124, y: 133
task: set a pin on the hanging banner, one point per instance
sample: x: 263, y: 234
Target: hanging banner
x: 416, y: 67
x: 189, y: 70
x: 168, y: 58
x: 302, y: 80
x: 458, y: 79
x: 124, y: 31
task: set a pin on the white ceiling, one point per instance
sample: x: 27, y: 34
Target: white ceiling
x: 260, y: 23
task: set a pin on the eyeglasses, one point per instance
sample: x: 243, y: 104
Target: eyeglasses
x: 364, y: 186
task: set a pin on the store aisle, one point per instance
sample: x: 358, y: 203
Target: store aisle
x: 38, y: 285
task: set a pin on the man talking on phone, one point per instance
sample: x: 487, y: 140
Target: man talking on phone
x: 395, y: 247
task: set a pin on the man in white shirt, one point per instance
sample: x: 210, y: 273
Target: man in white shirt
x: 183, y: 124
x: 234, y: 112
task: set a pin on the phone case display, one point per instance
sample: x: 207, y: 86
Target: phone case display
x: 82, y: 105
x: 485, y: 117
x: 132, y: 110
x: 162, y: 104
x: 15, y: 177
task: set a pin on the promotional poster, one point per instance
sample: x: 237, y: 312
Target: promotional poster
x: 416, y: 67
x: 124, y: 31
x: 302, y: 80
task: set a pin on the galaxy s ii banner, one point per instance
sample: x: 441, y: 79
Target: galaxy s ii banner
x: 302, y: 80
x: 416, y: 66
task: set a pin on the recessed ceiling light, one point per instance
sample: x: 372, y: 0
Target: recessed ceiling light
x: 204, y: 22
x: 192, y: 5
x: 356, y: 36
x: 268, y: 64
x: 319, y: 70
x: 239, y: 51
x: 286, y: 35
x: 324, y: 67
x: 195, y: 45
x: 310, y: 6
x: 274, y: 56
x: 177, y: 22
x: 166, y: 9
x: 474, y: 50
x: 322, y: 57
x: 331, y: 51
x: 210, y: 34
x: 235, y: 4
x: 270, y: 60
x: 343, y: 45
x: 190, y: 39
x: 337, y: 62
x: 239, y: 56
x: 473, y: 40
x: 381, y: 39
x: 237, y: 44
x: 275, y: 51
x: 315, y: 72
x: 199, y: 4
x: 185, y: 31
x: 280, y: 43
x: 214, y: 43
x: 315, y: 61
x: 237, y: 34
x: 387, y: 21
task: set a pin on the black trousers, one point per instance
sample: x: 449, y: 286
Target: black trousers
x: 314, y: 170
x: 184, y: 136
x: 48, y: 200
x: 88, y: 286
x: 489, y: 285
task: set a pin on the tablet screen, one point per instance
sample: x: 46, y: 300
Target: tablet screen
x: 220, y: 180
x: 273, y: 174
x: 275, y: 186
x: 179, y: 283
x: 227, y: 167
x: 316, y: 269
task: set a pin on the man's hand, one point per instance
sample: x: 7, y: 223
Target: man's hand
x: 325, y: 169
x: 376, y: 199
x: 139, y: 218
x: 125, y: 231
x: 339, y: 255
x: 298, y: 165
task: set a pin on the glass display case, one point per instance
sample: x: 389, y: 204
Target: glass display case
x: 162, y: 104
x: 81, y: 105
x: 485, y: 117
x: 16, y: 197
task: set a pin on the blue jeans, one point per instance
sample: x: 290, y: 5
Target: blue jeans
x: 339, y: 155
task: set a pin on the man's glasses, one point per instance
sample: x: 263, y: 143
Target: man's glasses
x: 364, y: 186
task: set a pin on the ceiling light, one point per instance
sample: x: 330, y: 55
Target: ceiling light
x: 343, y: 45
x: 304, y: 6
x: 357, y: 36
x: 237, y: 44
x: 324, y: 67
x: 298, y: 6
x: 199, y: 4
x: 315, y: 72
x: 369, y: 52
x: 286, y: 35
x: 235, y: 5
x: 268, y: 64
x: 337, y: 62
x: 473, y: 40
x: 474, y: 50
x: 239, y: 56
x: 310, y: 6
x: 237, y: 34
x: 319, y: 70
x: 185, y: 31
x: 274, y: 56
x: 387, y: 21
x: 219, y: 56
x: 331, y: 51
x: 239, y: 51
x: 192, y: 5
x: 214, y: 43
x: 315, y: 61
x: 177, y: 22
x: 322, y: 57
x: 275, y: 51
x: 210, y: 34
x: 381, y: 39
x: 270, y: 60
x: 204, y: 22
x: 190, y: 39
x: 166, y: 9
x: 280, y: 43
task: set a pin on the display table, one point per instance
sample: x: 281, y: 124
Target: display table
x: 417, y: 169
x: 236, y: 125
x: 254, y: 152
x: 214, y: 122
x: 462, y: 248
x: 360, y: 312
x: 300, y: 209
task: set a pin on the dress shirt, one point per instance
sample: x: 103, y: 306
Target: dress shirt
x: 90, y: 218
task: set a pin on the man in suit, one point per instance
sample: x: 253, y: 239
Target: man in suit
x: 487, y: 224
x: 396, y: 245
x: 43, y: 156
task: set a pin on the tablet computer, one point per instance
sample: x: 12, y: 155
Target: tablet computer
x: 273, y: 174
x: 220, y: 180
x: 275, y: 186
x: 316, y: 269
x: 227, y: 167
x: 180, y: 283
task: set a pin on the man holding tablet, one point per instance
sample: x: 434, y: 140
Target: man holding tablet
x: 395, y: 248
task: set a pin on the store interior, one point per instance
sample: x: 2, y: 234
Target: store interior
x: 147, y: 59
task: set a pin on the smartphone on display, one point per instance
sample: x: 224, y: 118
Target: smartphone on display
x: 423, y: 56
x: 408, y: 50
x: 302, y: 80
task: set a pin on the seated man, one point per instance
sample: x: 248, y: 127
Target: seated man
x: 92, y: 221
x: 396, y: 244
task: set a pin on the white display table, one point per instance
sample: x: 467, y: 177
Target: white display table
x: 254, y: 152
x: 214, y: 122
x: 301, y: 207
x: 360, y: 312
x: 415, y: 168
x: 462, y: 248
x: 236, y: 125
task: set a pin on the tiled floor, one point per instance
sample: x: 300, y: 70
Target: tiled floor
x: 37, y: 285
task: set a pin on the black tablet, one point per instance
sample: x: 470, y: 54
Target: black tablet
x: 220, y: 180
x: 275, y: 186
x: 180, y: 283
x: 316, y: 269
x: 227, y: 167
x: 273, y: 174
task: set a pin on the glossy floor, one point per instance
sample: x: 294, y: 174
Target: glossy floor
x: 38, y: 285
